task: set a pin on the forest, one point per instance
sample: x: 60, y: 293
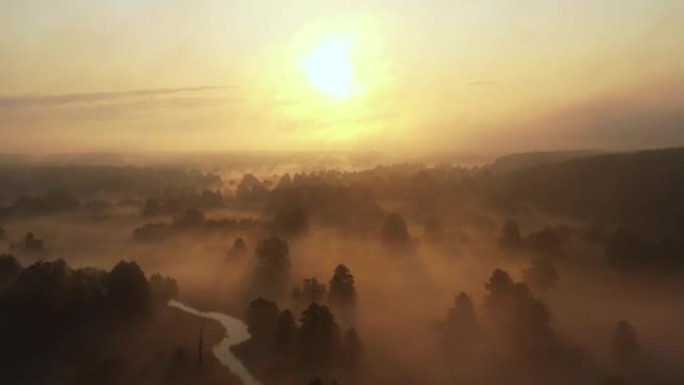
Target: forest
x: 537, y: 268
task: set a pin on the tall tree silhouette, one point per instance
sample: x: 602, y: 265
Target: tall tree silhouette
x: 624, y: 345
x: 510, y: 235
x: 262, y: 319
x: 319, y: 338
x: 341, y: 290
x: 273, y: 267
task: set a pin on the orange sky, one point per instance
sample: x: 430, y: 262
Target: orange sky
x: 456, y: 75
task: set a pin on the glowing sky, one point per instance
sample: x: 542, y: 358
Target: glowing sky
x: 457, y: 75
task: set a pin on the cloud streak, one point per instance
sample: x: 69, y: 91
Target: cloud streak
x: 57, y: 100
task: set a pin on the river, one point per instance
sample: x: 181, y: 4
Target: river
x: 236, y: 332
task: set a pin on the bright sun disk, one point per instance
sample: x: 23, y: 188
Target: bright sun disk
x: 328, y: 68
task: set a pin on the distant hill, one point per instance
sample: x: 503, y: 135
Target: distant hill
x: 645, y: 187
x: 513, y: 162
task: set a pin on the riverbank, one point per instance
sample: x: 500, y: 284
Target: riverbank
x: 236, y: 333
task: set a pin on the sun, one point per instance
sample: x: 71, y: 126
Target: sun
x: 329, y: 69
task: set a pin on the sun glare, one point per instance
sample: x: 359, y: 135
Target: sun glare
x: 329, y: 69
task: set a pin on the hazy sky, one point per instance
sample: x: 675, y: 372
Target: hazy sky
x: 461, y: 75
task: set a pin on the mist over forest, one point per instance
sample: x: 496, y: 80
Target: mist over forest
x: 534, y: 268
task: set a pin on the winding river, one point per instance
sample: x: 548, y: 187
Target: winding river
x: 236, y: 332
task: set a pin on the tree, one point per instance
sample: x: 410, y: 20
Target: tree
x: 542, y: 276
x: 510, y: 235
x: 284, y: 182
x: 9, y: 270
x: 273, y: 266
x: 239, y: 248
x: 192, y: 218
x: 463, y: 312
x: 312, y: 290
x: 262, y: 319
x: 546, y: 242
x: 210, y: 198
x: 341, y: 287
x: 291, y: 218
x: 128, y: 289
x: 624, y: 345
x: 319, y: 338
x: 394, y: 230
x: 461, y: 332
x: 523, y: 321
x: 250, y: 189
x: 163, y: 289
x: 352, y: 349
x: 239, y: 244
x: 285, y: 333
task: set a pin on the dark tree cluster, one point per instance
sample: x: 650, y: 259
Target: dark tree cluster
x: 175, y: 202
x: 628, y: 251
x: 340, y: 290
x: 194, y: 220
x: 251, y: 190
x: 461, y: 331
x: 512, y: 340
x: 52, y: 202
x: 394, y: 230
x: 311, y: 291
x: 547, y: 242
x: 281, y: 347
x: 49, y: 305
x: 314, y: 198
x: 523, y: 321
x: 606, y: 187
x: 272, y: 272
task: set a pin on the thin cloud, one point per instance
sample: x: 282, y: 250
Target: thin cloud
x: 56, y: 100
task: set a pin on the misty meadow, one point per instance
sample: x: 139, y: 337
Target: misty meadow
x: 533, y: 269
